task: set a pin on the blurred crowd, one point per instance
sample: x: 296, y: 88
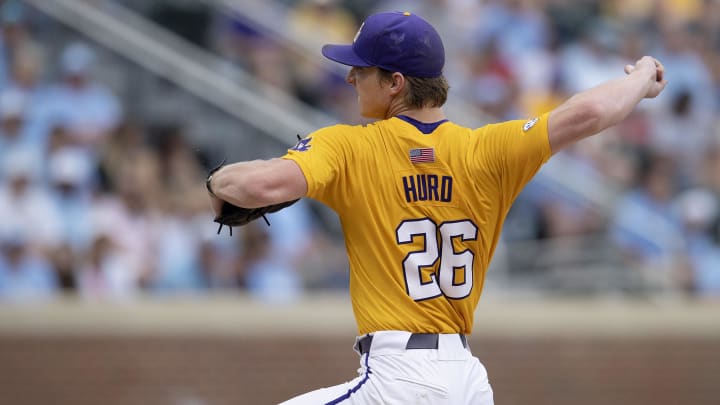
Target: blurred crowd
x: 102, y: 206
x: 106, y: 206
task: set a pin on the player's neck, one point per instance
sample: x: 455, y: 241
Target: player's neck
x: 427, y: 115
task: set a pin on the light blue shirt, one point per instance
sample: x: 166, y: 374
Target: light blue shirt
x: 31, y: 278
x: 649, y: 228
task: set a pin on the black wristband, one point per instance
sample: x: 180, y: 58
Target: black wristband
x: 208, y: 186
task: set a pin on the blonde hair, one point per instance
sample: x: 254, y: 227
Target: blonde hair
x: 421, y: 92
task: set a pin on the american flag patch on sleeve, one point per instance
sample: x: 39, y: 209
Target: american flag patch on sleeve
x: 422, y: 155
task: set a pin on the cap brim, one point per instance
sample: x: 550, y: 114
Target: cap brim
x: 343, y: 54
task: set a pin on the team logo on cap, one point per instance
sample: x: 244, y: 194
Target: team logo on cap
x: 359, y: 31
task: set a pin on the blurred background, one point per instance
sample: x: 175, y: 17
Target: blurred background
x: 115, y: 287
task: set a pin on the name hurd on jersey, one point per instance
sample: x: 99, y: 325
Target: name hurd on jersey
x: 427, y: 187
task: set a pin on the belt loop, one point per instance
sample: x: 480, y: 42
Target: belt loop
x: 463, y: 339
x: 364, y: 344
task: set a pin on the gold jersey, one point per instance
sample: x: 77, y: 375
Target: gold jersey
x: 421, y: 212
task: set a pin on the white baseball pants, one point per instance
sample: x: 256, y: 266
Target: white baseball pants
x: 390, y: 374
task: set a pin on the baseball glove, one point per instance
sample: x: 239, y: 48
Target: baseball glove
x: 232, y: 215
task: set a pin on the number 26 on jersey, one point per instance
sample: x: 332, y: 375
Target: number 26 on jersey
x: 454, y: 275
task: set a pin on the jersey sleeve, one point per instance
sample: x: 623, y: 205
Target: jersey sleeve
x: 513, y: 153
x: 323, y: 157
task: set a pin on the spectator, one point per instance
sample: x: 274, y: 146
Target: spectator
x: 24, y: 274
x: 65, y: 262
x: 265, y: 274
x: 69, y: 178
x: 566, y: 213
x: 26, y: 79
x: 70, y: 173
x: 103, y: 275
x: 590, y: 60
x: 179, y: 250
x: 671, y: 126
x: 292, y: 233
x: 699, y: 211
x: 690, y: 105
x: 89, y: 109
x: 127, y: 147
x: 180, y: 171
x: 518, y: 27
x: 690, y: 74
x: 647, y: 228
x: 493, y: 86
x: 13, y: 129
x: 25, y: 73
x: 14, y: 37
x: 24, y: 203
x: 128, y: 217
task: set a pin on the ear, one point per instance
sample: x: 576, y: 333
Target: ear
x: 398, y: 83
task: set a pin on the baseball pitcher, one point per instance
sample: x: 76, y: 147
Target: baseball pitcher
x: 422, y: 202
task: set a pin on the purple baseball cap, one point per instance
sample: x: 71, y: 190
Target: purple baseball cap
x: 395, y: 41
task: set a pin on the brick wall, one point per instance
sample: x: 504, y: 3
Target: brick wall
x: 176, y: 354
x: 218, y: 371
